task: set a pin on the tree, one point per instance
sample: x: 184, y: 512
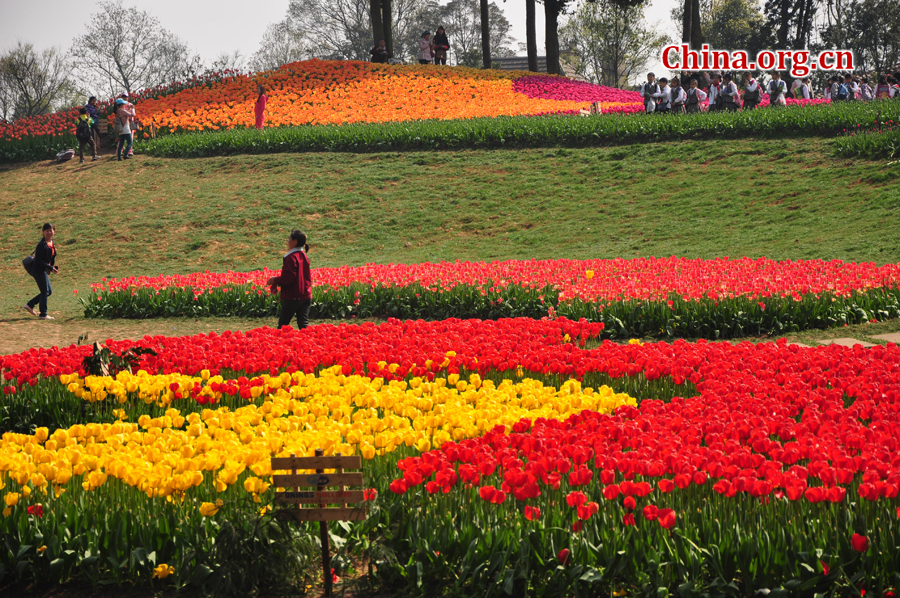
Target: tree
x: 282, y: 43
x: 612, y: 44
x: 229, y: 61
x: 874, y: 34
x: 336, y: 29
x: 462, y: 20
x: 127, y: 49
x: 32, y: 82
x: 485, y: 34
x: 790, y: 21
x: 735, y: 24
x: 531, y: 35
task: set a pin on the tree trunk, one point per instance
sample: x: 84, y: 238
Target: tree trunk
x: 686, y: 28
x: 531, y: 35
x: 551, y: 32
x: 783, y: 25
x: 377, y: 24
x: 485, y: 35
x: 387, y: 24
x: 696, y: 34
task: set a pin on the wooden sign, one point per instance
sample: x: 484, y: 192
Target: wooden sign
x: 322, y: 497
x: 336, y: 462
x: 322, y: 514
x: 316, y: 498
x: 318, y: 480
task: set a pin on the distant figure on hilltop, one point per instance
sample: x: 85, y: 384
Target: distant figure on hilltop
x: 426, y: 48
x: 441, y: 45
x: 260, y: 109
x: 380, y: 53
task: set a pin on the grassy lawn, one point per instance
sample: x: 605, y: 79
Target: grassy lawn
x: 779, y: 199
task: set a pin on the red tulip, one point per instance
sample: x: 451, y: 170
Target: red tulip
x: 532, y: 513
x: 650, y: 512
x: 859, y: 543
x: 666, y: 518
x: 628, y: 519
x: 629, y: 503
x: 564, y: 556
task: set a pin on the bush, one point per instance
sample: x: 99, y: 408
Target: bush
x: 529, y: 131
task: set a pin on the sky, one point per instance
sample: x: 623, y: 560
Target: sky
x: 211, y: 27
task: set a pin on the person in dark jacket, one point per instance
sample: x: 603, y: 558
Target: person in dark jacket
x: 380, y: 53
x: 441, y: 45
x: 44, y: 264
x: 295, y: 282
x: 91, y: 108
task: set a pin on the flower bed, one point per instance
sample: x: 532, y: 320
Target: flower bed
x: 647, y: 296
x: 731, y: 455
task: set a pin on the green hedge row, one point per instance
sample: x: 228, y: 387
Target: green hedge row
x: 529, y: 131
x: 884, y: 145
x: 677, y: 318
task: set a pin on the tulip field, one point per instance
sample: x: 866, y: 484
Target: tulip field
x: 506, y: 457
x: 672, y: 297
x: 319, y: 96
x: 526, y: 426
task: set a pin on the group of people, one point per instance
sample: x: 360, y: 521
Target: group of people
x: 686, y: 94
x: 848, y: 88
x: 87, y: 128
x: 295, y: 280
x: 430, y: 50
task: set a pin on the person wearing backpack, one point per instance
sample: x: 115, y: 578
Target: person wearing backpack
x: 776, y: 90
x: 865, y: 91
x: 41, y: 267
x: 752, y: 92
x: 650, y: 93
x: 91, y: 108
x: 803, y: 92
x: 852, y: 87
x: 84, y: 134
x: 883, y: 91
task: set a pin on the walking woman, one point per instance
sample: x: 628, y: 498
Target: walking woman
x: 42, y: 267
x: 260, y: 109
x: 124, y: 118
x: 295, y: 282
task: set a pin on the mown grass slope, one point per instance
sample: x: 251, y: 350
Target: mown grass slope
x: 780, y: 199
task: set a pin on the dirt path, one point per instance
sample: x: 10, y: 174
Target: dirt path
x: 19, y: 333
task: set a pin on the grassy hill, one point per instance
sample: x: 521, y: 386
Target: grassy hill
x: 779, y: 199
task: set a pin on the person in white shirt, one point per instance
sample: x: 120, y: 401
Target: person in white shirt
x: 730, y: 92
x: 794, y: 85
x: 715, y: 93
x: 664, y: 104
x: 803, y: 92
x: 650, y: 93
x: 695, y: 95
x: 679, y: 98
x: 776, y: 90
x: 865, y: 91
x: 752, y: 92
x: 852, y: 87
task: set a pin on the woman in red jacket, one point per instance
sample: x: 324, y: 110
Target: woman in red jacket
x: 295, y: 282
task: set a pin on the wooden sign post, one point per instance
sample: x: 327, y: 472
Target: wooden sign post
x: 321, y: 497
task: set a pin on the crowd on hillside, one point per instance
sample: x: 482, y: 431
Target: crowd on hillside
x: 429, y: 49
x: 695, y: 92
x: 87, y: 128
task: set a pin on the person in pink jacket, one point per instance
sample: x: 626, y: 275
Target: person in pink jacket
x: 260, y: 109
